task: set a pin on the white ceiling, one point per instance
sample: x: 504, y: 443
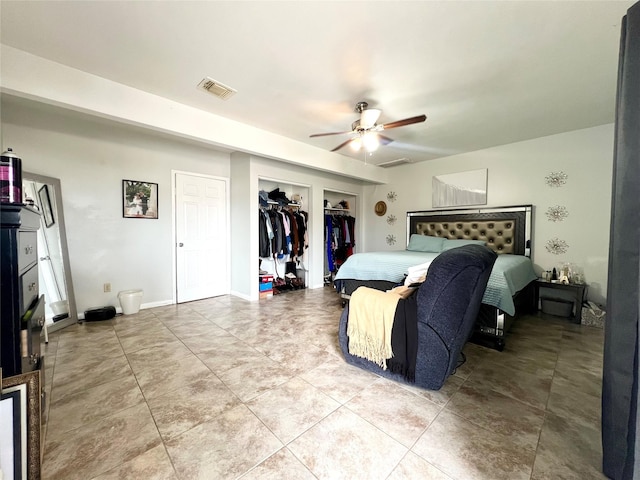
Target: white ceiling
x: 485, y: 73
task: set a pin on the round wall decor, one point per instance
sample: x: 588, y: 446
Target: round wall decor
x: 557, y: 213
x: 380, y: 208
x: 556, y: 179
x: 556, y: 246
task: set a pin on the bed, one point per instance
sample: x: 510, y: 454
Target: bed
x: 506, y: 230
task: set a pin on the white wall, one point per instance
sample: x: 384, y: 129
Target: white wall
x: 91, y: 157
x: 516, y: 176
x: 243, y: 231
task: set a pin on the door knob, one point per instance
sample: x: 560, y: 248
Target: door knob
x: 181, y: 244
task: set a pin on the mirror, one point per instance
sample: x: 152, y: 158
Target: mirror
x: 457, y: 189
x: 54, y: 271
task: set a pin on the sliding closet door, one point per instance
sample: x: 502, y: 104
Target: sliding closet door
x: 621, y: 449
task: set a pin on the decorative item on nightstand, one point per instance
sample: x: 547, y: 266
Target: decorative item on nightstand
x: 578, y: 275
x: 578, y: 278
x: 573, y: 273
x: 564, y: 277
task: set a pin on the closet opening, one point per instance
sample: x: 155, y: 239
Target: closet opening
x: 284, y: 239
x: 340, y: 231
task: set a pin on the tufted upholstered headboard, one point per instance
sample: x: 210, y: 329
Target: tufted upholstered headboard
x: 504, y: 229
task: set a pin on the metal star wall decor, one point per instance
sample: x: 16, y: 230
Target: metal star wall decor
x: 556, y: 246
x: 391, y: 239
x: 556, y: 179
x: 391, y: 219
x: 557, y: 213
x: 392, y: 196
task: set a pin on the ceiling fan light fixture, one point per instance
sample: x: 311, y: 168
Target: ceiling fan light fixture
x: 370, y: 141
x: 369, y: 117
x: 365, y: 129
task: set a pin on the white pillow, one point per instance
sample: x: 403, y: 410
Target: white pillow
x: 416, y: 273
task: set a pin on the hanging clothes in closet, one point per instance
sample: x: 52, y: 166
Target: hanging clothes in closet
x: 339, y: 239
x: 282, y: 233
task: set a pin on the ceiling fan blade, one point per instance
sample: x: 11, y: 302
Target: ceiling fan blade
x: 406, y: 121
x: 325, y: 134
x: 342, y: 145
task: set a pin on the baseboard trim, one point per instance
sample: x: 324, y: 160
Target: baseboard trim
x: 243, y: 296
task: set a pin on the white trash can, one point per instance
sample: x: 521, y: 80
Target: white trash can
x: 130, y: 301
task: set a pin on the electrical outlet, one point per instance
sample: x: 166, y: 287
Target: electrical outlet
x: 107, y: 287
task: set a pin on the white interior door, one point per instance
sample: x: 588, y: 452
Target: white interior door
x: 201, y: 237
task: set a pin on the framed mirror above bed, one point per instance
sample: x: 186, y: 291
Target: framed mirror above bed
x: 459, y: 189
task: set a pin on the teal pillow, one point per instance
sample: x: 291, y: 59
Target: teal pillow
x: 454, y: 243
x: 425, y: 243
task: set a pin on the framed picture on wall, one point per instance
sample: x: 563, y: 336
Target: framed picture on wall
x: 139, y: 199
x: 45, y: 205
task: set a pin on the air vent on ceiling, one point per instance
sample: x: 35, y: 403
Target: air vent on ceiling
x: 393, y: 163
x: 216, y: 88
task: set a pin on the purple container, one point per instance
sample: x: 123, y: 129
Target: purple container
x: 10, y: 178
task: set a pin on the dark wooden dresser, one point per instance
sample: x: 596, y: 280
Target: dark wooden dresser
x: 21, y: 305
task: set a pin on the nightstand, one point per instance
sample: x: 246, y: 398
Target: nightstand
x: 577, y: 290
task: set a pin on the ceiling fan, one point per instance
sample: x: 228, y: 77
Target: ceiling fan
x: 366, y: 130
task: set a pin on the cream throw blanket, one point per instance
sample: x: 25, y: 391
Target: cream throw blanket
x: 371, y: 314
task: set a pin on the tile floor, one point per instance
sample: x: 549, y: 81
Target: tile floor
x: 225, y: 388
